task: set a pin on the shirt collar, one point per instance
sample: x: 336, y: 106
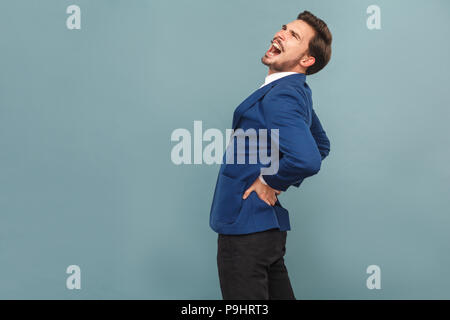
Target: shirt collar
x: 275, y: 76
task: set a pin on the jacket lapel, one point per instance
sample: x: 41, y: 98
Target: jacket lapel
x: 250, y: 101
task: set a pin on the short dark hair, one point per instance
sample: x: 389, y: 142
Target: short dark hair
x: 320, y: 44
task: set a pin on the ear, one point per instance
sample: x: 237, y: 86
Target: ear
x: 307, y: 61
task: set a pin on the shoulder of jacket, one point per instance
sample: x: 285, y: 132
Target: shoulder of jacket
x: 299, y: 91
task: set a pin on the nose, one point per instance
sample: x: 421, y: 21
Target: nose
x: 281, y: 35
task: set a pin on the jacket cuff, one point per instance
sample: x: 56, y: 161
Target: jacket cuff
x: 273, y: 182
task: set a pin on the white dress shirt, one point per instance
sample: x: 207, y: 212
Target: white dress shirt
x: 267, y: 80
x: 276, y: 76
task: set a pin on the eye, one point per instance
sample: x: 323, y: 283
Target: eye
x: 283, y: 27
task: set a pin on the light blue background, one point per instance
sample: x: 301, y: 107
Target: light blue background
x: 85, y: 171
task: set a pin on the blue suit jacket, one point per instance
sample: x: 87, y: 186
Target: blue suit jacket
x: 286, y: 105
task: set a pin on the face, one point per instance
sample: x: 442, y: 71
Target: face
x: 289, y: 47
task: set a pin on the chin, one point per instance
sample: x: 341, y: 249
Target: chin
x: 266, y: 60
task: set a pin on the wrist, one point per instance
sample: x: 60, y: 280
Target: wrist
x: 262, y: 180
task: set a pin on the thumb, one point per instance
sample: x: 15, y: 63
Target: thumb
x: 247, y: 193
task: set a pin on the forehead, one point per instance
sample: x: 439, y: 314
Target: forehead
x: 301, y: 27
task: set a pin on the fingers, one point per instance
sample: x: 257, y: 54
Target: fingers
x: 269, y: 199
x: 270, y: 202
x: 266, y: 201
x: 273, y: 200
x: 247, y: 192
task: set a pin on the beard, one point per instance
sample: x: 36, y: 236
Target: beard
x: 281, y: 65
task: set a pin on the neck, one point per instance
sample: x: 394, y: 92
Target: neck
x: 298, y: 70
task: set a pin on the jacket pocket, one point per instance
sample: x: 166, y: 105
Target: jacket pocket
x: 227, y: 201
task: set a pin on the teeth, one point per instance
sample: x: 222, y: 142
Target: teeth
x: 276, y: 45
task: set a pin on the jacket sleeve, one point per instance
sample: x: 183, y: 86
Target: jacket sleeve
x: 285, y: 109
x: 320, y: 136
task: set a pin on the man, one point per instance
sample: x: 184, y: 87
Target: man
x: 251, y: 222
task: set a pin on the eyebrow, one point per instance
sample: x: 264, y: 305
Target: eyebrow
x: 295, y: 33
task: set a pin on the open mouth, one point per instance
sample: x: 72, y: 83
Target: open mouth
x: 274, y: 50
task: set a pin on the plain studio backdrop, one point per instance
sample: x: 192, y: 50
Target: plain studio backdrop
x: 86, y: 176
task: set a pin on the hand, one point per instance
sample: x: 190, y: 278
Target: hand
x: 264, y: 192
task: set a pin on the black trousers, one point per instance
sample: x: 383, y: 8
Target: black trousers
x: 251, y: 266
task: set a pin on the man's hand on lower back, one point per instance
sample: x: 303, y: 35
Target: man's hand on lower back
x: 264, y: 192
